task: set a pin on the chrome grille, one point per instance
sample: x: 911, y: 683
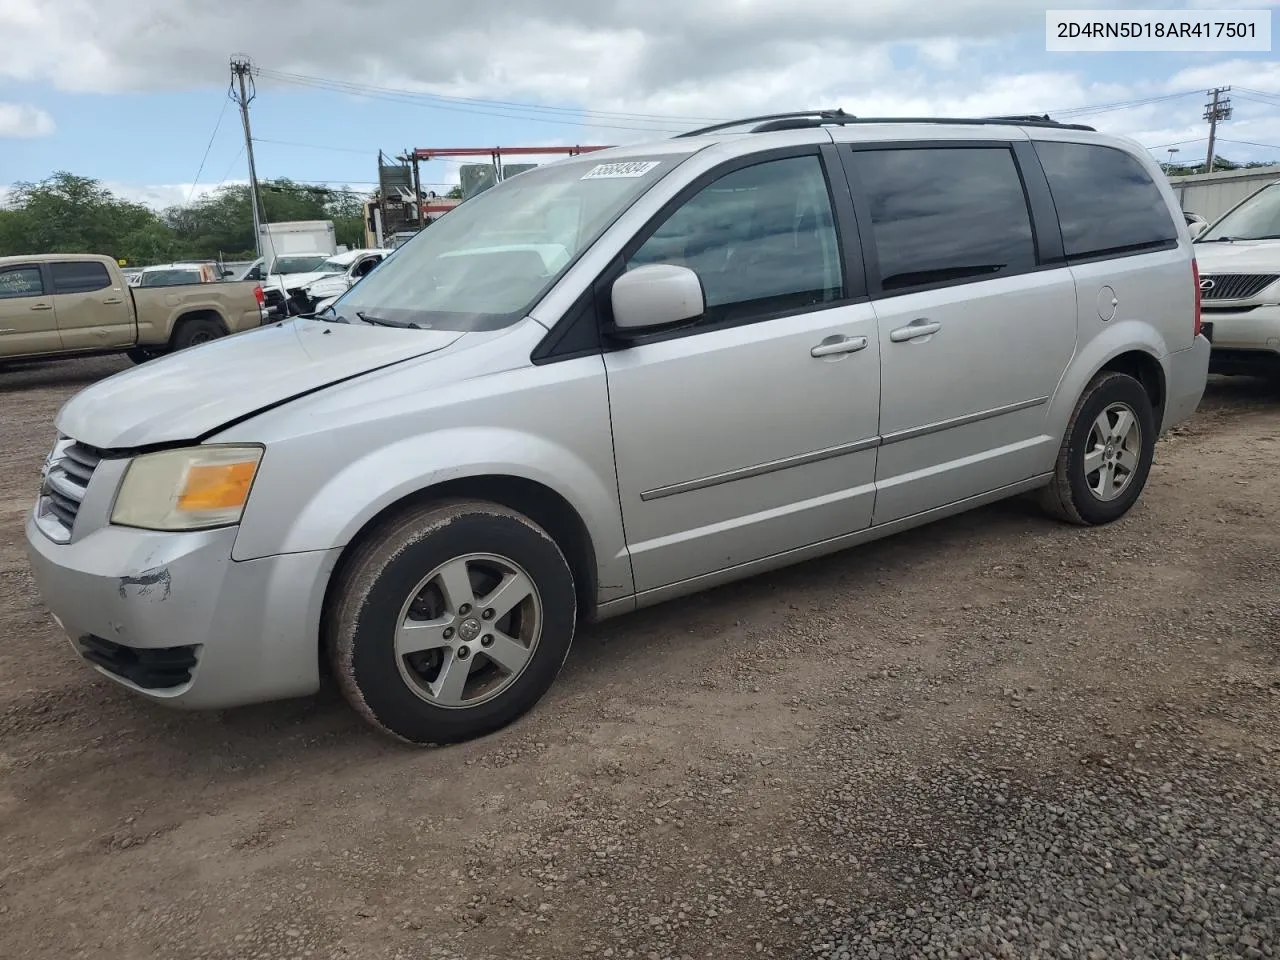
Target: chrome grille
x: 66, y: 477
x: 1235, y: 286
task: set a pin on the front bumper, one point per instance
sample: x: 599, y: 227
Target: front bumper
x: 1245, y: 341
x: 175, y: 619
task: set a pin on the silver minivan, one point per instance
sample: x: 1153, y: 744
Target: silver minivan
x: 616, y: 379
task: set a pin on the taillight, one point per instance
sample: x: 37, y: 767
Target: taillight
x: 261, y: 298
x: 1195, y: 277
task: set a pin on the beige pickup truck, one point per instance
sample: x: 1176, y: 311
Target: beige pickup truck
x: 75, y: 304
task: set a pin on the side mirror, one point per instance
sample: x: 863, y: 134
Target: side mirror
x: 654, y: 296
x: 1197, y: 229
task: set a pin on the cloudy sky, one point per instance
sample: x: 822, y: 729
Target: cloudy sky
x: 135, y: 93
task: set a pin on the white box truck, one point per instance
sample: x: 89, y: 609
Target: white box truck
x: 298, y: 238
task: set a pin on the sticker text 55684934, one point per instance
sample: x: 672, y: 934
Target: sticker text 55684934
x: 612, y: 171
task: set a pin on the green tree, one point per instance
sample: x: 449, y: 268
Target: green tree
x: 221, y: 223
x: 65, y: 213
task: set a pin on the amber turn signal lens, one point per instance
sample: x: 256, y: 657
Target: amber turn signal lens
x: 217, y: 486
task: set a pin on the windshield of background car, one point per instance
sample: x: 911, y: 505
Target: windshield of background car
x: 485, y: 263
x: 1258, y: 218
x: 169, y: 278
x: 334, y: 265
x: 297, y: 264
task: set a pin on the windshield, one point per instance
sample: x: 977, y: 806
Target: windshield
x: 1258, y: 218
x: 168, y: 278
x: 334, y: 265
x: 485, y: 263
x: 299, y: 264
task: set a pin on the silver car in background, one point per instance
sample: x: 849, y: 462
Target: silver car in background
x: 617, y: 379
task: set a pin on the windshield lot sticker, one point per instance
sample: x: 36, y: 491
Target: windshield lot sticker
x: 614, y: 171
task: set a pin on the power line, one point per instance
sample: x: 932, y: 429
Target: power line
x: 1119, y: 105
x: 429, y: 102
x: 572, y: 112
x: 1177, y: 143
x: 213, y: 136
x: 230, y: 167
x: 1263, y: 96
x: 1251, y: 143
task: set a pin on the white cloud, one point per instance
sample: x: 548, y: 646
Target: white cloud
x: 564, y: 48
x: 20, y: 121
x: 635, y: 66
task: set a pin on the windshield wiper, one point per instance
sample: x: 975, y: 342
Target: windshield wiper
x: 383, y: 322
x: 1267, y: 236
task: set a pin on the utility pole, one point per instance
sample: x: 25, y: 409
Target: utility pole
x: 1219, y: 108
x: 242, y: 93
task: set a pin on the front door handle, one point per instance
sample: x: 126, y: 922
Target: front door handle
x: 113, y: 300
x: 914, y: 330
x: 43, y: 306
x: 834, y: 345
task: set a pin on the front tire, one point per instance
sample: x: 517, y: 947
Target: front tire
x: 1106, y: 454
x: 451, y: 621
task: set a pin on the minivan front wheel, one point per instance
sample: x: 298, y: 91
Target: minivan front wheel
x: 451, y: 621
x: 1106, y: 454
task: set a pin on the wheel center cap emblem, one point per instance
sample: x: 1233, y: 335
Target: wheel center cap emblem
x: 469, y: 629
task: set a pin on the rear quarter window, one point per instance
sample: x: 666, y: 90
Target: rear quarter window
x: 79, y: 276
x: 1107, y: 203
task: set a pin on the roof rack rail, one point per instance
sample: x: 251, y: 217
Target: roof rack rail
x: 834, y: 116
x: 817, y: 118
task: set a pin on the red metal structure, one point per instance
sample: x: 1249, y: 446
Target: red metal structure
x: 495, y: 154
x: 432, y: 210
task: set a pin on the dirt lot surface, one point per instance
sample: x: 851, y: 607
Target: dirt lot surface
x: 996, y: 736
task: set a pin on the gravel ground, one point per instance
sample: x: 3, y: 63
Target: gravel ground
x: 994, y: 737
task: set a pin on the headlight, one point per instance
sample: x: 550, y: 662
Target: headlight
x: 190, y: 489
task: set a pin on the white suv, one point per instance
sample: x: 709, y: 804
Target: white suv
x: 616, y: 379
x: 1239, y: 258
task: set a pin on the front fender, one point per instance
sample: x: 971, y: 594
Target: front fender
x: 338, y: 508
x: 1126, y: 336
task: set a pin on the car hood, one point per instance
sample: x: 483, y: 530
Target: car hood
x: 295, y: 281
x: 189, y: 394
x: 1239, y: 256
x: 332, y: 284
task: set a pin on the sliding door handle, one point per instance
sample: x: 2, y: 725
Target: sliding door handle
x: 113, y: 300
x: 832, y: 346
x: 42, y: 306
x: 914, y: 330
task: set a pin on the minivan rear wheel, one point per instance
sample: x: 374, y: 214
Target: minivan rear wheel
x: 451, y: 621
x: 1106, y: 454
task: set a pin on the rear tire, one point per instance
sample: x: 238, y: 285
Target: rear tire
x: 451, y: 621
x: 195, y: 332
x: 1106, y: 454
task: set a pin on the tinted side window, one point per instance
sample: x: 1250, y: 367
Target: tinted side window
x: 79, y: 276
x: 1107, y: 203
x: 761, y: 239
x: 946, y: 214
x: 20, y: 282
